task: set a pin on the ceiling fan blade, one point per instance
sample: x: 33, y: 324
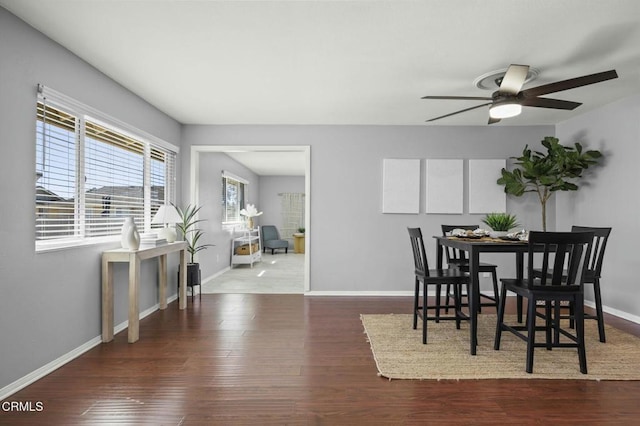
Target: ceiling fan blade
x: 493, y: 120
x: 550, y: 103
x: 459, y: 98
x: 458, y: 112
x: 569, y: 84
x: 514, y: 79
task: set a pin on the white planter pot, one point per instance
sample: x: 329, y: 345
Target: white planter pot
x: 498, y: 234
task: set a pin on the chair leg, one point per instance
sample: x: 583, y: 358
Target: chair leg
x: 438, y: 289
x: 549, y: 324
x: 519, y: 308
x: 416, y: 304
x: 446, y: 299
x: 531, y: 332
x: 572, y: 313
x: 556, y: 323
x: 579, y: 317
x: 503, y: 298
x: 599, y: 314
x: 457, y: 303
x: 495, y: 288
x: 424, y: 314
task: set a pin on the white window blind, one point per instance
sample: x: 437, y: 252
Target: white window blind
x: 92, y: 174
x: 56, y: 156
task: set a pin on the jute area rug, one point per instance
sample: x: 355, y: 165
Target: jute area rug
x: 400, y: 354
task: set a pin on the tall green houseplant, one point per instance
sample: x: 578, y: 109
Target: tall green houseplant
x: 545, y: 173
x: 190, y: 231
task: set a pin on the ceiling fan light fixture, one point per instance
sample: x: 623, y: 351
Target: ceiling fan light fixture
x: 505, y: 110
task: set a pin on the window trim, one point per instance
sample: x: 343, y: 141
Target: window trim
x: 85, y: 113
x: 228, y: 175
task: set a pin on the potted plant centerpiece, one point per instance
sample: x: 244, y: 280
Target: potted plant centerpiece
x: 191, y: 234
x: 500, y: 223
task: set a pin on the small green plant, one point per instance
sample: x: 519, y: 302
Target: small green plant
x: 500, y: 222
x: 301, y: 230
x: 189, y: 230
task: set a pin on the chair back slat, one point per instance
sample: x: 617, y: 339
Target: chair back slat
x: 456, y: 256
x: 559, y: 249
x: 600, y: 238
x: 419, y: 254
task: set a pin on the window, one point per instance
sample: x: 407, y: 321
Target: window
x: 91, y: 174
x: 234, y: 195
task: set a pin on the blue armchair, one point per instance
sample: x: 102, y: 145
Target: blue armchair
x: 271, y: 239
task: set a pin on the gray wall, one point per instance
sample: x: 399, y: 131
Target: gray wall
x: 271, y: 202
x: 353, y: 246
x: 610, y: 196
x: 50, y: 302
x: 218, y: 258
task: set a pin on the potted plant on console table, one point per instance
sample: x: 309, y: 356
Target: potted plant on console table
x: 191, y: 234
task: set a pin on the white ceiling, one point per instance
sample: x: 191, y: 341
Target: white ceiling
x: 343, y: 62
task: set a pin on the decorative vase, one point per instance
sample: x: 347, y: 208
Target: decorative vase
x: 250, y: 224
x: 129, y: 237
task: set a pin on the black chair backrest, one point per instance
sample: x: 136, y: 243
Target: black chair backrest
x: 455, y: 256
x: 419, y: 255
x: 600, y: 237
x: 559, y: 249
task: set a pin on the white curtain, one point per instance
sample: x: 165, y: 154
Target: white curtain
x: 292, y: 214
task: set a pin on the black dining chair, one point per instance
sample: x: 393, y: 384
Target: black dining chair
x: 592, y: 276
x: 556, y: 249
x: 458, y: 259
x: 437, y: 278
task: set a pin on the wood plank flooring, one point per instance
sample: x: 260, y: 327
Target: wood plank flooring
x: 236, y: 359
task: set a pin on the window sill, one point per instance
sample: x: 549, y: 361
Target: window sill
x: 49, y: 246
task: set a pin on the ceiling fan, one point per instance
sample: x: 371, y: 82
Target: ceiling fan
x: 508, y: 100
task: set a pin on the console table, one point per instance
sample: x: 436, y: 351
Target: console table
x: 133, y: 258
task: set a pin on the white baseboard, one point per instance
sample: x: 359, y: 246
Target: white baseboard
x: 358, y: 293
x: 366, y: 293
x: 48, y: 368
x: 615, y: 312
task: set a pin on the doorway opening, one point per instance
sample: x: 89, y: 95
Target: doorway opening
x: 268, y: 151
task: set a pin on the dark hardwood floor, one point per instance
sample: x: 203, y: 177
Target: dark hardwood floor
x: 292, y: 360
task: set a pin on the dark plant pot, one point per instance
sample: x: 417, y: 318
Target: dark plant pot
x: 193, y: 278
x: 193, y: 274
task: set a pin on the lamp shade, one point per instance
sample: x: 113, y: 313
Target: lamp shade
x: 166, y: 214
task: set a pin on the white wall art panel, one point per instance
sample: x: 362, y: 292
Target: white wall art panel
x: 444, y: 185
x: 485, y: 195
x: 401, y: 186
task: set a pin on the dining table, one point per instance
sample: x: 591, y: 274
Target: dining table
x: 474, y: 246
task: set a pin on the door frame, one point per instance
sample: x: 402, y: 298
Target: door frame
x: 194, y: 172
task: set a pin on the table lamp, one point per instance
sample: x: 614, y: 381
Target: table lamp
x: 167, y: 214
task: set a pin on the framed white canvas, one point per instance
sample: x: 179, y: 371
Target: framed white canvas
x: 485, y: 195
x: 401, y: 186
x: 444, y: 186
